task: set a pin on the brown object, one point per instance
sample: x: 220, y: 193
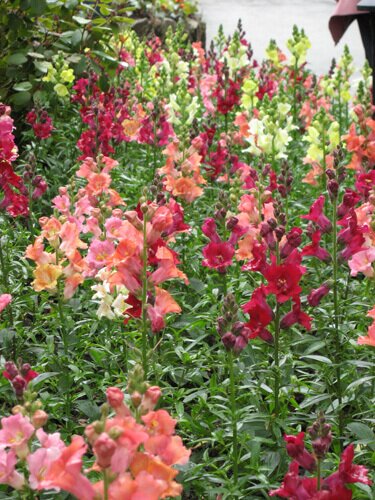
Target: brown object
x: 344, y: 14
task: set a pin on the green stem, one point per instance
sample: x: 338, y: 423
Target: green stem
x: 336, y: 313
x: 64, y: 336
x: 295, y: 93
x: 277, y: 360
x: 144, y: 299
x: 62, y: 318
x: 318, y: 474
x: 106, y: 485
x: 5, y: 279
x: 232, y: 382
x: 277, y: 348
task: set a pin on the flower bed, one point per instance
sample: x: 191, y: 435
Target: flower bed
x: 188, y: 236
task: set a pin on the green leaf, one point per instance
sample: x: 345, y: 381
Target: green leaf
x: 315, y: 357
x: 89, y: 409
x: 22, y: 86
x: 42, y: 377
x: 36, y: 55
x: 81, y: 20
x: 17, y: 59
x: 37, y: 7
x: 41, y: 66
x: 21, y: 99
x: 363, y: 432
x: 76, y: 37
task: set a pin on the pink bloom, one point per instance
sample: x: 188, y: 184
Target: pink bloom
x: 104, y: 448
x: 361, y: 262
x: 144, y: 487
x: 370, y: 338
x: 39, y: 464
x: 99, y: 253
x: 150, y: 398
x: 15, y: 433
x: 65, y: 472
x: 169, y: 448
x: 115, y: 399
x: 164, y: 304
x: 50, y: 440
x: 159, y: 422
x: 62, y: 203
x: 130, y: 436
x: 5, y: 299
x: 8, y: 474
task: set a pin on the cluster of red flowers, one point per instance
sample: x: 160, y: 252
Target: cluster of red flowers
x: 41, y: 123
x: 114, y: 116
x: 297, y: 486
x: 19, y: 376
x: 15, y: 196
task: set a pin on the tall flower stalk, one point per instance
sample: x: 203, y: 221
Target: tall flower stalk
x: 144, y: 295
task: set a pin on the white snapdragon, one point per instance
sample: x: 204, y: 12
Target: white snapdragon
x: 111, y: 305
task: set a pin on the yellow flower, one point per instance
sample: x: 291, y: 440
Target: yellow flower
x: 46, y: 276
x: 67, y: 75
x: 61, y: 90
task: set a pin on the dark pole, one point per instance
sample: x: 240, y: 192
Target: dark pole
x: 369, y: 6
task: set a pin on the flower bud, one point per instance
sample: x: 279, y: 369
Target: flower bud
x: 240, y: 344
x: 11, y: 368
x: 315, y: 296
x: 115, y: 397
x: 232, y: 223
x: 228, y: 340
x: 151, y: 398
x: 19, y: 385
x: 333, y: 188
x: 136, y: 398
x: 39, y: 419
x: 104, y: 448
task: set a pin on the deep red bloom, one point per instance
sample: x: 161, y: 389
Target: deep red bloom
x: 296, y: 487
x: 349, y: 200
x: 177, y: 211
x: 295, y: 448
x: 14, y: 199
x: 258, y: 263
x: 135, y: 310
x: 365, y: 183
x: 218, y: 255
x: 352, y: 235
x: 261, y: 316
x: 316, y: 215
x: 315, y: 296
x: 258, y: 308
x: 209, y: 229
x: 296, y: 315
x: 314, y: 250
x: 227, y: 98
x: 348, y: 472
x: 41, y: 124
x: 293, y: 240
x: 283, y: 280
